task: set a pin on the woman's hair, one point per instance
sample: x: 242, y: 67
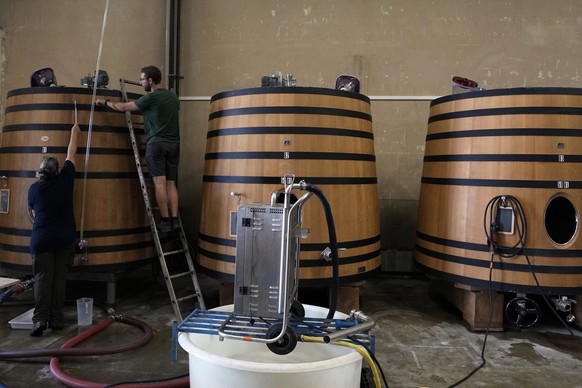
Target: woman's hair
x: 152, y: 72
x: 49, y: 167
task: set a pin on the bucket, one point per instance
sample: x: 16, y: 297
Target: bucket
x: 84, y: 311
x: 525, y: 143
x: 38, y: 123
x: 233, y: 363
x: 322, y: 136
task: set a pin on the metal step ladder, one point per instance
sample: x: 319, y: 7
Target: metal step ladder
x: 162, y: 255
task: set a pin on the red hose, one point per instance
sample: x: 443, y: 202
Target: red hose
x: 72, y: 381
x: 54, y: 363
x: 148, y: 333
x: 67, y: 349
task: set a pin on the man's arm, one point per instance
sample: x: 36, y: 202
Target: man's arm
x: 117, y: 105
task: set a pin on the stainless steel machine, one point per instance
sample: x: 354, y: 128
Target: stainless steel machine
x: 266, y: 276
x: 266, y: 279
x: 267, y: 252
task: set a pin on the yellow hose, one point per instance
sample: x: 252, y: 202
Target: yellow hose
x: 357, y: 348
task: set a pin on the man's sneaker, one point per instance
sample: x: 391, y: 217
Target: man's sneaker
x: 165, y: 226
x: 175, y: 224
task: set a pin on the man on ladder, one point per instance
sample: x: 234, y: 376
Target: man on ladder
x: 159, y: 108
x: 160, y: 112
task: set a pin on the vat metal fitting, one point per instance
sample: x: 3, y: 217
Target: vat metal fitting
x: 82, y: 246
x: 564, y: 304
x: 326, y: 253
x: 365, y: 323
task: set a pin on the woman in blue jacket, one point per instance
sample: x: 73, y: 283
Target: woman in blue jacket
x: 53, y: 238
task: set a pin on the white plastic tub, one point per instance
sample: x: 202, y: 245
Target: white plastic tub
x: 234, y: 363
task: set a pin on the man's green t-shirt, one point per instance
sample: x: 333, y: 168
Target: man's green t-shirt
x: 160, y: 113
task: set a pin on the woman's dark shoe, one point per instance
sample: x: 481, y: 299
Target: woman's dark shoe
x: 56, y: 325
x: 37, y: 329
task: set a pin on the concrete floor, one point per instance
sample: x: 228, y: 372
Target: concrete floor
x: 421, y: 339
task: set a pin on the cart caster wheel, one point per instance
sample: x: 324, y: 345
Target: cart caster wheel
x: 285, y: 344
x: 522, y: 312
x: 297, y: 310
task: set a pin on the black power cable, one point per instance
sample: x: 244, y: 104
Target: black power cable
x: 491, y: 227
x: 519, y: 248
x: 373, y: 357
x: 483, y: 361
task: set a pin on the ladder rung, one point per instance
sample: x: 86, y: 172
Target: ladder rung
x: 187, y: 297
x: 178, y: 275
x: 170, y: 253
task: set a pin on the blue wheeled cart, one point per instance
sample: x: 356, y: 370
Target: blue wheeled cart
x: 266, y: 278
x: 355, y: 328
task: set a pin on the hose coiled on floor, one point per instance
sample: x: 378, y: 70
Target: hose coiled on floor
x: 147, y: 330
x: 68, y: 349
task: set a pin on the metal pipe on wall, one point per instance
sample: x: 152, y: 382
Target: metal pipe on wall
x: 168, y: 27
x: 173, y: 8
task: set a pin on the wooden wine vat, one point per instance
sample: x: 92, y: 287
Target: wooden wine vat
x: 109, y: 208
x: 525, y: 143
x: 322, y: 136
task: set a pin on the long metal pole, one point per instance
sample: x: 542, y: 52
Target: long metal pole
x: 82, y: 242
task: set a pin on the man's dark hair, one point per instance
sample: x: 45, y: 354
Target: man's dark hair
x: 152, y: 72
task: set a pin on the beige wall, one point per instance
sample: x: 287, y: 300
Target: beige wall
x: 65, y: 35
x: 403, y: 51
